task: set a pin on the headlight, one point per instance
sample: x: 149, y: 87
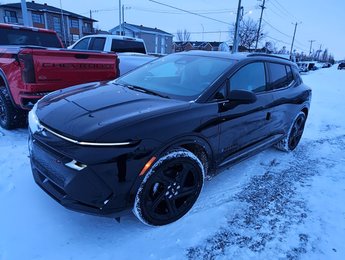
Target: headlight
x: 34, y: 124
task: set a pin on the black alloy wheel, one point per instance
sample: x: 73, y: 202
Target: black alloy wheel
x: 5, y: 109
x: 170, y: 188
x: 296, y: 131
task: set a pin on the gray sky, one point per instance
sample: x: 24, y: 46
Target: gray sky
x: 322, y: 21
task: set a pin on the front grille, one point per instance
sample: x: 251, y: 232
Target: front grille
x: 50, y: 164
x: 49, y: 172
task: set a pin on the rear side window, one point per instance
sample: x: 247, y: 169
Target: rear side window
x: 127, y: 46
x: 250, y: 77
x: 280, y: 75
x: 296, y: 75
x: 97, y: 44
x: 28, y: 37
x: 82, y: 45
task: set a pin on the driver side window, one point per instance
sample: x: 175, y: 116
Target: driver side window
x: 251, y: 77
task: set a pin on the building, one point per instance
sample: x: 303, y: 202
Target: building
x: 156, y: 40
x: 68, y: 25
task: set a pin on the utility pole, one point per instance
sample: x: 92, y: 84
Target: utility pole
x: 258, y: 33
x: 63, y: 25
x: 123, y: 16
x: 25, y: 13
x: 293, y: 39
x: 236, y: 40
x: 120, y: 27
x: 311, y: 45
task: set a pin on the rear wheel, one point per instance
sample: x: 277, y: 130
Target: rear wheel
x: 290, y: 142
x: 10, y: 117
x: 169, y: 189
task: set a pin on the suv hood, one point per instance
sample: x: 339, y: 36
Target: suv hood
x: 90, y: 111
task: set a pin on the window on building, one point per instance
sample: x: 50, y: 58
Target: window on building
x: 75, y: 37
x: 250, y: 77
x: 57, y: 24
x: 163, y: 45
x: 87, y: 28
x: 11, y: 16
x: 37, y: 18
x: 74, y: 23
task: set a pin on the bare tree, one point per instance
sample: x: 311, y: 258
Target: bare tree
x: 183, y: 36
x: 247, y: 33
x: 325, y: 55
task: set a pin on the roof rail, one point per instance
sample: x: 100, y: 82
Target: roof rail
x: 267, y: 55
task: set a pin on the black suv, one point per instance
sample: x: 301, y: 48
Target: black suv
x: 146, y: 141
x: 341, y: 66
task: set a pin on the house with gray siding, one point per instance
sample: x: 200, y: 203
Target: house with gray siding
x: 156, y: 40
x: 68, y: 25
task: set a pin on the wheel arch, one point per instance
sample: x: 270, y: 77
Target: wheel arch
x: 305, y: 110
x: 196, y: 144
x: 4, y: 82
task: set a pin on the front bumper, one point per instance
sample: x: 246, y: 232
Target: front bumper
x: 102, y: 188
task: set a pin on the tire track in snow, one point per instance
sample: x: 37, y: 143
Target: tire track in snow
x: 273, y: 207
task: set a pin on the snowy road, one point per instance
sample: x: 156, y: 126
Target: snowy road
x: 274, y: 205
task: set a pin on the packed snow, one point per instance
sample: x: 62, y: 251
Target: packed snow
x: 273, y: 205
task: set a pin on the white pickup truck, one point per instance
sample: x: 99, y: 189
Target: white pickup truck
x: 131, y: 51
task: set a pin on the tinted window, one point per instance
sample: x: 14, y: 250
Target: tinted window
x: 82, y: 45
x: 28, y: 37
x: 250, y: 77
x: 97, y: 44
x: 180, y: 76
x: 127, y: 46
x: 289, y: 74
x: 296, y: 75
x: 280, y: 77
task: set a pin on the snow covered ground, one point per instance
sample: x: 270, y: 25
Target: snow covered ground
x: 274, y: 205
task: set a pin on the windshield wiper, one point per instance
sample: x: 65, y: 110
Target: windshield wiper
x: 144, y: 90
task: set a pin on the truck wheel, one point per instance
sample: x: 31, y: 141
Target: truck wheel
x: 10, y: 117
x: 291, y: 140
x: 169, y: 189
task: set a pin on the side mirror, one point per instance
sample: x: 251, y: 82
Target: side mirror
x: 242, y: 96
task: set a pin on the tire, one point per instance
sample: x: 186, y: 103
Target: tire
x: 169, y: 189
x: 10, y: 117
x: 291, y: 140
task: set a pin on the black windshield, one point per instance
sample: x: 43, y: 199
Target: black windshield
x: 179, y: 76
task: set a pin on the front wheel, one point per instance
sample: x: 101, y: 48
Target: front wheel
x: 291, y: 140
x: 169, y: 189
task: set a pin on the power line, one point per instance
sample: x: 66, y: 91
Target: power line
x: 172, y: 12
x: 193, y: 13
x: 209, y: 32
x: 281, y: 11
x: 289, y: 36
x: 286, y: 43
x: 285, y: 10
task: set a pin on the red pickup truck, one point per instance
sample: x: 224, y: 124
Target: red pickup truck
x: 33, y: 63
